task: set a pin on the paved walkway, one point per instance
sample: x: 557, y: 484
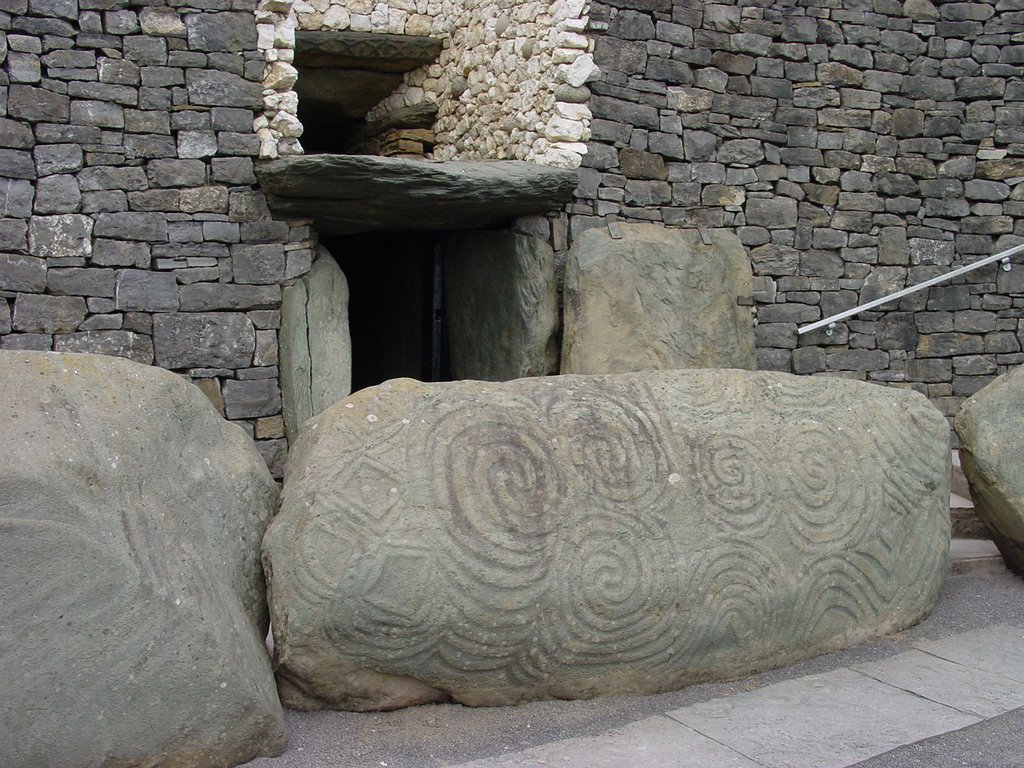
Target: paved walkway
x: 951, y: 686
x: 829, y: 720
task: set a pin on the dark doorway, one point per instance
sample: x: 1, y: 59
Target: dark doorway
x: 394, y: 306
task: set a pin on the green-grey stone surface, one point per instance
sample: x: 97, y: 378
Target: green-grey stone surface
x: 571, y: 536
x: 501, y: 305
x: 657, y: 298
x: 132, y: 610
x: 316, y: 347
x: 990, y: 426
x: 344, y: 194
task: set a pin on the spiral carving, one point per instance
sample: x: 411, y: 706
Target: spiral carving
x: 836, y: 492
x: 501, y: 488
x: 617, y: 450
x: 616, y: 600
x: 731, y: 473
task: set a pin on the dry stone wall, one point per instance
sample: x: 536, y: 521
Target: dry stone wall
x: 131, y: 222
x: 509, y: 82
x: 856, y: 147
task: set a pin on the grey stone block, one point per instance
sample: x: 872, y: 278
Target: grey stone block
x: 34, y: 105
x: 145, y: 291
x: 131, y: 226
x: 203, y: 340
x: 35, y: 313
x: 81, y: 282
x: 63, y: 236
x: 58, y: 194
x: 222, y: 89
x: 257, y: 264
x: 251, y: 399
x: 771, y: 213
x: 116, y: 343
x: 17, y: 197
x: 206, y: 297
x: 22, y: 273
x: 106, y: 177
x: 120, y: 253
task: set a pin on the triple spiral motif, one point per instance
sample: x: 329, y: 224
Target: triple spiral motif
x: 563, y: 534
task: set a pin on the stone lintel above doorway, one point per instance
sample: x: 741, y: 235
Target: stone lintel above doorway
x: 365, y: 51
x: 345, y: 194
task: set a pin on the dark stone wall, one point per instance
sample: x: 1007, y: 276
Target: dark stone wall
x: 130, y: 220
x: 856, y: 147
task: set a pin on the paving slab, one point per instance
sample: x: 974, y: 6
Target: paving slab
x: 965, y: 688
x: 503, y: 761
x: 994, y: 743
x: 998, y: 649
x: 830, y: 720
x: 656, y: 742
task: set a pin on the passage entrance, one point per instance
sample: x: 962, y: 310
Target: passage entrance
x: 395, y: 306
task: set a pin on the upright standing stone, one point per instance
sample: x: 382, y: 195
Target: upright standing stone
x: 316, y: 347
x: 132, y: 616
x: 990, y: 428
x: 501, y: 305
x: 657, y: 298
x: 570, y: 536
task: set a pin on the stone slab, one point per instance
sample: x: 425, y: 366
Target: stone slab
x: 830, y: 720
x: 965, y: 688
x: 656, y: 298
x: 344, y: 194
x: 501, y: 305
x: 574, y: 536
x: 367, y: 51
x: 657, y: 742
x: 316, y: 347
x: 998, y: 649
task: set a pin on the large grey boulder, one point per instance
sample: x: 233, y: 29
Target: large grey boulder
x: 990, y: 426
x: 657, y: 298
x: 132, y: 614
x: 316, y: 346
x: 501, y: 305
x: 573, y: 536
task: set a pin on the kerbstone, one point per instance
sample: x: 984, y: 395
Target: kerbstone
x: 656, y: 298
x: 138, y: 640
x: 989, y: 428
x: 573, y: 536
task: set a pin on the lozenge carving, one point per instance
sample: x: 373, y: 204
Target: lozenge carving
x: 574, y: 536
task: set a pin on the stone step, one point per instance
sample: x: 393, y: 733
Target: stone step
x: 974, y: 557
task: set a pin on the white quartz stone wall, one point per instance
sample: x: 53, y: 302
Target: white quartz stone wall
x: 508, y: 83
x: 278, y: 127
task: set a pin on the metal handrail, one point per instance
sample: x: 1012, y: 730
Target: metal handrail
x: 1003, y: 256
